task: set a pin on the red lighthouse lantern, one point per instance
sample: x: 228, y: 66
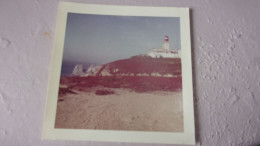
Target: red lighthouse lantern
x: 166, y: 38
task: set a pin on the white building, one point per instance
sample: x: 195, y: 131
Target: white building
x: 165, y: 51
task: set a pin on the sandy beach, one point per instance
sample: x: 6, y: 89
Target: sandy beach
x: 123, y: 109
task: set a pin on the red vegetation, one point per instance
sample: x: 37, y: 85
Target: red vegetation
x: 104, y: 92
x: 63, y: 91
x: 134, y: 66
x: 146, y: 64
x: 136, y: 83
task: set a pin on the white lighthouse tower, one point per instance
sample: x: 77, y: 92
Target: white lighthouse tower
x: 165, y: 51
x: 166, y: 44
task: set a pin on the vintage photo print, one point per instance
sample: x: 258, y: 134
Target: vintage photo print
x: 121, y: 73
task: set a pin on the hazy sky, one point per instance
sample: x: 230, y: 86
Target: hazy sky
x: 102, y: 38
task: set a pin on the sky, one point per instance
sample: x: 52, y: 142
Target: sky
x: 100, y: 39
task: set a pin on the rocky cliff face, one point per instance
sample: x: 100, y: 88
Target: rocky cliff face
x: 79, y: 70
x: 93, y: 70
x: 135, y: 66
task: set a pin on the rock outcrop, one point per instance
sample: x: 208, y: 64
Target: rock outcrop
x: 93, y: 70
x: 79, y: 70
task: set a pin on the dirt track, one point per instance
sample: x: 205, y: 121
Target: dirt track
x: 125, y: 109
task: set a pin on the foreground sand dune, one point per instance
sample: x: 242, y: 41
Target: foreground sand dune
x: 123, y: 110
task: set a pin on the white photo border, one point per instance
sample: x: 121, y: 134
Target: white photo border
x: 49, y: 132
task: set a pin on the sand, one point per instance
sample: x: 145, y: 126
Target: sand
x: 123, y: 110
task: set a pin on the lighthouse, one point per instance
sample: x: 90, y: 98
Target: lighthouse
x: 165, y: 51
x: 166, y: 44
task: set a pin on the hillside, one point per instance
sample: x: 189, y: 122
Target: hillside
x: 140, y: 65
x: 139, y: 73
x: 134, y: 66
x: 136, y: 83
x: 136, y: 94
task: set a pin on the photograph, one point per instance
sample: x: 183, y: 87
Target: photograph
x: 121, y: 73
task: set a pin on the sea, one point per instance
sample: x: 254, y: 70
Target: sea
x: 68, y: 67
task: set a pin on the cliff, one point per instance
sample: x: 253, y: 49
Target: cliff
x: 135, y: 66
